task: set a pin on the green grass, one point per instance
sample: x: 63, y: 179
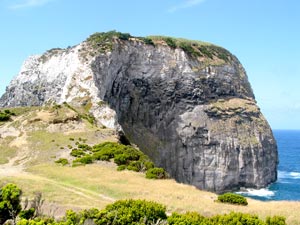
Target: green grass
x: 23, y: 110
x: 197, y: 49
x: 6, y: 151
x: 178, y: 40
x: 103, y: 42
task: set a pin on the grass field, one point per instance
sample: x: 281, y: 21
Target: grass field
x: 96, y: 185
x: 99, y: 184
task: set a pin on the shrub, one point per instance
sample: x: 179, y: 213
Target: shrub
x: 236, y: 218
x: 121, y: 167
x: 121, y: 159
x: 193, y: 218
x: 232, y: 199
x: 148, y: 41
x: 131, y: 212
x: 10, y: 202
x: 132, y: 153
x: 8, y: 112
x: 105, y: 154
x: 27, y: 214
x: 129, y: 157
x: 62, y: 161
x: 124, y: 36
x: 170, y: 42
x: 188, y: 48
x: 77, y: 152
x: 156, y: 173
x: 4, y: 117
x: 100, y: 156
x: 134, y: 166
x: 148, y: 165
x: 189, y: 218
x: 109, y: 147
x: 84, y: 147
x: 275, y: 220
x: 205, y: 51
x: 87, y: 159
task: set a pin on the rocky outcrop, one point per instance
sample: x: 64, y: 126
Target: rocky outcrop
x: 59, y: 75
x: 188, y: 105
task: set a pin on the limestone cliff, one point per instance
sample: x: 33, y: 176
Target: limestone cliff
x: 187, y: 104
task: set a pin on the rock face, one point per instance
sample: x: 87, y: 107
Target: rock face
x: 59, y: 75
x: 188, y: 105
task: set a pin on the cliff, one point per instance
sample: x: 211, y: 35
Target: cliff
x: 186, y: 104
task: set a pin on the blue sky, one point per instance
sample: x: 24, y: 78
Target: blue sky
x: 263, y: 34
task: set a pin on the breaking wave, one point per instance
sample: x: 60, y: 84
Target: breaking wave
x: 288, y: 175
x: 262, y: 193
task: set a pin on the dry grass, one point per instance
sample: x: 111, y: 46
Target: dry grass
x: 109, y: 185
x: 6, y: 151
x: 100, y: 184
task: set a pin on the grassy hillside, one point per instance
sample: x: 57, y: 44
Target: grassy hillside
x: 35, y: 137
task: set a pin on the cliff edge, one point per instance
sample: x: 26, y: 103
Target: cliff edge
x: 187, y: 104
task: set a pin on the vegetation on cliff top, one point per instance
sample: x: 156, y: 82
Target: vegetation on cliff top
x: 104, y: 42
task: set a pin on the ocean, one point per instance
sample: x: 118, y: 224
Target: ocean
x: 287, y: 186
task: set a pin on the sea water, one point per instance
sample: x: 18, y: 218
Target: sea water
x: 287, y: 186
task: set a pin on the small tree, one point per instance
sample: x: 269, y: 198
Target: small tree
x: 10, y: 202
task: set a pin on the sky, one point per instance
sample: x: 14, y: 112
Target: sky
x: 263, y: 34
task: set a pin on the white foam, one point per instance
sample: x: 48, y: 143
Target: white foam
x: 264, y: 192
x: 295, y: 175
x: 288, y: 175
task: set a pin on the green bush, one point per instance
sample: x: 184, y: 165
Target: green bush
x: 275, y: 220
x: 121, y: 159
x: 170, y: 42
x: 77, y: 152
x: 62, y: 161
x: 4, y: 117
x: 27, y: 214
x: 105, y: 154
x: 121, y: 167
x: 193, y: 218
x: 232, y: 199
x: 100, y: 156
x: 148, y: 165
x: 125, y: 212
x: 112, y: 148
x: 189, y: 218
x: 148, y: 41
x: 205, y: 51
x: 135, y: 166
x: 125, y: 156
x: 10, y: 202
x: 188, y: 48
x: 236, y: 218
x: 156, y: 173
x: 84, y: 147
x: 87, y: 159
x: 124, y: 36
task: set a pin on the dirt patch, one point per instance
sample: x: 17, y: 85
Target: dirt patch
x: 7, y: 131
